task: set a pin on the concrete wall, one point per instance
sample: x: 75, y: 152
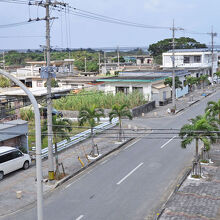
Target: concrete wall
x: 143, y: 109
x: 182, y: 92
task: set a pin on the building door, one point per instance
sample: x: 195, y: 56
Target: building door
x: 164, y: 95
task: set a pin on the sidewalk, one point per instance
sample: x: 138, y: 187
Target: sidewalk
x: 197, y: 199
x: 183, y: 102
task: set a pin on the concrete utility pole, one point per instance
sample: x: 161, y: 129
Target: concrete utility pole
x: 49, y: 100
x: 173, y: 66
x: 38, y: 143
x: 85, y: 65
x: 212, y: 34
x: 173, y: 69
x: 118, y: 56
x: 105, y: 61
x: 99, y: 62
x: 47, y: 5
x: 3, y: 59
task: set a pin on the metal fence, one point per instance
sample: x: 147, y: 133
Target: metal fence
x: 80, y: 137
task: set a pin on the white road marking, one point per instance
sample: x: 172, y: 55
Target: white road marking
x: 68, y: 185
x: 137, y: 140
x: 167, y: 142
x: 80, y: 217
x: 129, y: 173
x: 132, y: 144
x: 104, y: 162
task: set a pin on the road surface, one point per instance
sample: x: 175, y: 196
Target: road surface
x: 129, y: 184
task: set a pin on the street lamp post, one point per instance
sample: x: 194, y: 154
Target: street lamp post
x: 38, y: 142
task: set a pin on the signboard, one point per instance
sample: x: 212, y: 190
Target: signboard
x: 44, y: 72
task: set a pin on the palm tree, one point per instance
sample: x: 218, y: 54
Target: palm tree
x: 61, y: 129
x: 218, y: 75
x: 169, y: 81
x: 213, y: 109
x: 190, y: 81
x: 203, y: 79
x: 120, y: 111
x: 90, y: 115
x: 200, y: 129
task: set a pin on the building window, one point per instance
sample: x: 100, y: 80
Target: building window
x: 186, y: 59
x: 137, y: 89
x: 124, y: 90
x: 197, y: 59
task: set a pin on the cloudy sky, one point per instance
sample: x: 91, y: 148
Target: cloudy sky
x: 80, y: 32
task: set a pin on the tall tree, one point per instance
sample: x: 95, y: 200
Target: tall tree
x: 120, y: 111
x: 190, y: 81
x: 218, y: 76
x: 165, y: 45
x: 90, y: 115
x: 181, y: 43
x: 213, y: 109
x: 61, y: 129
x: 200, y: 129
x: 168, y: 81
x: 202, y: 79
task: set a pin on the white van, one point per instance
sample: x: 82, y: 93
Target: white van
x: 12, y: 159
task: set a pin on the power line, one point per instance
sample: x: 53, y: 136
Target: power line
x: 14, y: 24
x: 24, y: 36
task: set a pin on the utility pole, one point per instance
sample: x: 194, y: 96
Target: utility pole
x: 47, y: 5
x: 173, y: 69
x: 49, y: 100
x: 173, y: 29
x: 3, y: 60
x: 118, y: 57
x: 212, y: 34
x: 85, y: 65
x: 99, y: 62
x: 105, y: 62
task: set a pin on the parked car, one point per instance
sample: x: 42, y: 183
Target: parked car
x: 12, y: 159
x: 43, y: 112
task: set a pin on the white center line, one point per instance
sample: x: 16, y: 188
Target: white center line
x: 129, y: 173
x: 80, y: 217
x: 167, y: 142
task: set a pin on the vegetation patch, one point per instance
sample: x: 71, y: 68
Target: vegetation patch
x: 85, y: 99
x: 196, y: 176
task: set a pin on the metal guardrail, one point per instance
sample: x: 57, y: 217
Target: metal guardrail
x: 79, y: 137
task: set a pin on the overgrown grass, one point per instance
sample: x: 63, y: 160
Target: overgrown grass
x: 101, y: 100
x: 44, y: 141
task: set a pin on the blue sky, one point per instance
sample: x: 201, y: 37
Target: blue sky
x: 192, y: 15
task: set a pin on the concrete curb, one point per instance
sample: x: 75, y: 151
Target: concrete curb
x: 159, y: 213
x: 59, y: 183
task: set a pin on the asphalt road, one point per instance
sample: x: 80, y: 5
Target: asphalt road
x: 126, y: 185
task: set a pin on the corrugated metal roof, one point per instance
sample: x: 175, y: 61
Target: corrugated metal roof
x: 132, y: 79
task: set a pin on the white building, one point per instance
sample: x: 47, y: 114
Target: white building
x: 192, y: 59
x: 30, y: 75
x: 151, y: 87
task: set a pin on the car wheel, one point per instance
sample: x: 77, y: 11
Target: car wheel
x: 1, y: 175
x: 26, y: 165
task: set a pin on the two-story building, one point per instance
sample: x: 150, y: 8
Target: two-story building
x: 197, y: 61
